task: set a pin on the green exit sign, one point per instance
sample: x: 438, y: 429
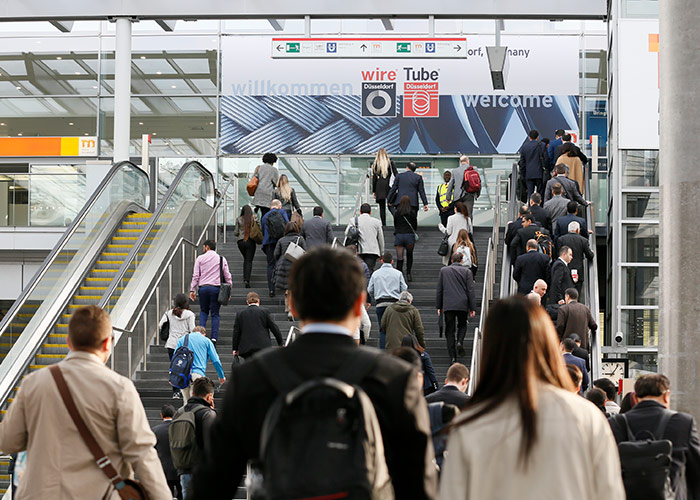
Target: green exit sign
x: 294, y: 47
x: 403, y: 47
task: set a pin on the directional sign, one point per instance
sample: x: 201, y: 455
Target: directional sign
x: 359, y: 48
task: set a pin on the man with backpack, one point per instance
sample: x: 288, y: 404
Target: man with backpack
x: 193, y: 352
x: 355, y: 427
x: 530, y: 267
x: 651, y: 419
x: 366, y: 234
x: 189, y: 431
x: 272, y: 223
x: 531, y: 230
x: 465, y: 185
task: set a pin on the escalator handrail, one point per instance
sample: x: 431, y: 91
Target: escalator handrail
x: 513, y: 202
x: 155, y: 217
x: 476, y: 345
x: 593, y: 293
x: 58, y: 248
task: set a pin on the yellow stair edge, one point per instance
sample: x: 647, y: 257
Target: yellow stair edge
x: 87, y: 297
x: 93, y: 288
x: 125, y: 238
x: 110, y: 261
x: 58, y: 335
x: 50, y: 356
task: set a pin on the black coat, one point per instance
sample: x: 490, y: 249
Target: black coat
x: 251, y: 330
x: 542, y: 217
x: 580, y: 248
x: 533, y: 162
x: 380, y: 185
x: 562, y: 226
x: 561, y: 280
x: 163, y: 450
x: 204, y: 417
x: 283, y: 263
x: 408, y: 184
x: 455, y: 289
x: 512, y: 230
x: 681, y: 430
x: 449, y: 394
x: 530, y: 267
x: 519, y: 244
x: 391, y: 385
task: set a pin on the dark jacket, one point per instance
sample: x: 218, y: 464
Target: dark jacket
x: 562, y: 226
x: 380, y: 185
x: 681, y: 430
x: 251, y: 330
x: 575, y: 317
x: 449, y: 394
x: 267, y: 237
x: 408, y: 184
x: 542, y: 217
x: 577, y: 150
x: 530, y: 267
x: 570, y: 359
x: 203, y: 420
x: 561, y: 280
x: 288, y: 205
x: 519, y: 244
x: 534, y: 161
x: 579, y: 352
x: 163, y: 449
x: 580, y: 248
x: 405, y: 223
x: 513, y: 228
x: 401, y: 319
x: 455, y: 289
x: 430, y: 383
x: 550, y: 151
x: 317, y: 231
x: 283, y: 263
x: 570, y: 189
x: 391, y: 385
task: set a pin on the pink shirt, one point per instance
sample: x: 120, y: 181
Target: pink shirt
x: 206, y: 271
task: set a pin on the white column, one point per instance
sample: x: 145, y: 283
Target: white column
x: 122, y: 90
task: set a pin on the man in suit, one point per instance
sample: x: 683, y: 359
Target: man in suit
x: 580, y: 248
x: 553, y: 147
x: 579, y: 351
x: 455, y: 297
x: 316, y: 230
x: 539, y: 213
x: 561, y: 276
x: 453, y: 392
x: 516, y: 225
x: 570, y: 188
x: 163, y: 450
x: 562, y: 225
x: 556, y: 205
x: 252, y: 328
x: 111, y: 407
x: 568, y: 346
x: 533, y: 163
x: 653, y: 393
x: 575, y: 317
x: 528, y: 232
x: 530, y: 267
x: 327, y: 295
x: 410, y: 184
x: 371, y: 242
x: 566, y: 139
x: 455, y: 188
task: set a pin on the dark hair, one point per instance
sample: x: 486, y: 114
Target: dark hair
x: 545, y: 140
x: 568, y: 150
x: 412, y: 341
x: 210, y: 243
x: 566, y: 137
x: 597, y: 397
x: 528, y: 216
x: 202, y: 387
x: 572, y: 207
x: 563, y: 250
x: 559, y: 132
x: 536, y: 198
x: 269, y: 158
x: 627, y: 402
x: 181, y: 302
x: 410, y: 355
x: 412, y: 166
x: 575, y: 374
x: 387, y: 257
x: 365, y: 208
x: 247, y: 214
x: 524, y: 209
x: 318, y: 210
x: 560, y: 168
x: 556, y: 188
x: 462, y: 209
x: 607, y: 386
x: 404, y: 207
x: 533, y: 134
x: 569, y: 345
x: 167, y: 411
x: 456, y: 372
x: 88, y: 327
x: 574, y: 336
x: 520, y: 348
x: 572, y: 293
x: 654, y: 384
x: 290, y: 227
x: 325, y: 283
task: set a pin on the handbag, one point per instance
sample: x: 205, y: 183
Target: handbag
x: 224, y: 288
x: 255, y: 232
x: 444, y: 246
x: 298, y: 219
x: 294, y: 251
x: 128, y: 489
x: 252, y: 185
x: 165, y: 329
x: 409, y: 225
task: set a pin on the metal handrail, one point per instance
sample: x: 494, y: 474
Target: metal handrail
x: 593, y: 293
x: 486, y: 296
x: 59, y: 247
x: 155, y: 217
x: 506, y: 267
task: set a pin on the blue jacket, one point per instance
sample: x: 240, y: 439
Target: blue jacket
x: 408, y: 184
x: 533, y: 159
x: 570, y: 359
x: 204, y: 351
x: 562, y: 225
x: 263, y: 223
x: 550, y: 151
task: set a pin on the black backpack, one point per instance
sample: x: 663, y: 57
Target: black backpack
x: 353, y: 235
x: 646, y: 464
x: 321, y: 437
x: 182, y: 435
x: 275, y: 224
x: 181, y: 365
x: 544, y: 244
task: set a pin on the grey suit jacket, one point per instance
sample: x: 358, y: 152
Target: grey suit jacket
x: 317, y: 231
x: 267, y: 181
x: 371, y: 234
x: 571, y: 190
x: 454, y: 191
x: 556, y: 206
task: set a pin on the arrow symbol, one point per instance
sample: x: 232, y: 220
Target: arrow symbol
x: 279, y: 48
x: 458, y: 48
x: 363, y: 47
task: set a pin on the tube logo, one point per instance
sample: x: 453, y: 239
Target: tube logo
x: 421, y: 100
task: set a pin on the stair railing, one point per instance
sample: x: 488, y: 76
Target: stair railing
x: 592, y: 287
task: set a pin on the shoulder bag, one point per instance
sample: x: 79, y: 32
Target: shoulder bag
x: 165, y: 329
x: 444, y: 246
x: 412, y: 229
x: 294, y: 251
x: 128, y: 489
x: 253, y: 183
x: 255, y: 232
x: 224, y: 288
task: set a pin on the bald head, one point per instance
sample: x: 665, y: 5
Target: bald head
x: 540, y: 287
x: 534, y: 298
x: 276, y: 204
x: 531, y: 245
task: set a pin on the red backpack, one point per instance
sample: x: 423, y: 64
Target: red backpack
x: 472, y: 180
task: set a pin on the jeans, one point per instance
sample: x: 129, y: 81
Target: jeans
x: 269, y: 250
x: 185, y: 483
x: 370, y: 260
x: 532, y: 185
x: 382, y: 333
x: 454, y: 319
x: 170, y: 357
x: 247, y: 249
x: 208, y: 302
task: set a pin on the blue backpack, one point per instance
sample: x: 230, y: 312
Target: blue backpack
x: 181, y: 365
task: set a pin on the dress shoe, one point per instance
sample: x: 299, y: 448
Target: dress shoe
x: 460, y: 349
x: 409, y: 277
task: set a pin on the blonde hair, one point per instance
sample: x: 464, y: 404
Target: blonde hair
x: 285, y: 190
x: 381, y: 164
x: 464, y: 159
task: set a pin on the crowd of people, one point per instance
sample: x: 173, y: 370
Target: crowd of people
x: 325, y: 417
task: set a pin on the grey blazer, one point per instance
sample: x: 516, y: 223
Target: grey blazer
x: 371, y: 234
x: 317, y: 231
x: 267, y: 180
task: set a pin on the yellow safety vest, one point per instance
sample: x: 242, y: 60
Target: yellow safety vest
x: 442, y: 193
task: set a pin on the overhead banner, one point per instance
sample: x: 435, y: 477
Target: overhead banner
x: 421, y: 106
x: 638, y: 75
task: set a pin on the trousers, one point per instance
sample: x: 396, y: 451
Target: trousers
x: 455, y: 321
x: 209, y: 303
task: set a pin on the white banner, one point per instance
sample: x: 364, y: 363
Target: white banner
x: 638, y: 81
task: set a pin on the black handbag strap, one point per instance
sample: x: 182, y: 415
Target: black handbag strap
x: 660, y: 429
x: 221, y: 270
x: 410, y: 225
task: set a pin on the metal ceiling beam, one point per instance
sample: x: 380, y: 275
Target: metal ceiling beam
x: 388, y: 23
x: 277, y: 24
x: 62, y: 26
x: 166, y: 25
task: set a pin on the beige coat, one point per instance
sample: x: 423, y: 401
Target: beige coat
x: 59, y: 464
x: 575, y: 456
x: 575, y: 170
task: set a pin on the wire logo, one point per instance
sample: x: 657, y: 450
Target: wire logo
x: 421, y: 100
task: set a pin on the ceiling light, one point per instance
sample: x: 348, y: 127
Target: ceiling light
x: 159, y: 72
x: 140, y: 123
x: 18, y: 87
x: 143, y: 57
x: 86, y: 133
x: 70, y: 123
x: 2, y: 124
x: 211, y: 123
x: 94, y: 86
x: 20, y: 133
x: 153, y: 133
x: 59, y: 58
x: 77, y: 72
x: 173, y: 86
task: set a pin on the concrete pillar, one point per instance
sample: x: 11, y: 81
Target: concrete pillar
x: 122, y: 90
x: 679, y: 180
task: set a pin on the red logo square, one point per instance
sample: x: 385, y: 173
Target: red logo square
x: 421, y: 100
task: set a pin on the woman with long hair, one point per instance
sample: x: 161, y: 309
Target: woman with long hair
x: 456, y: 222
x: 405, y: 223
x: 246, y: 223
x: 466, y: 249
x: 382, y: 170
x: 523, y: 434
x: 569, y: 157
x: 181, y: 322
x: 285, y: 193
